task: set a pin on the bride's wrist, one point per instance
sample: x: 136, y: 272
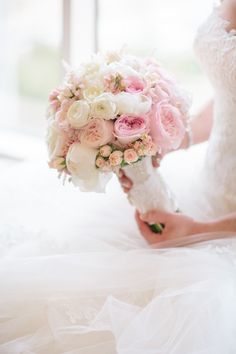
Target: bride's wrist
x: 203, y: 227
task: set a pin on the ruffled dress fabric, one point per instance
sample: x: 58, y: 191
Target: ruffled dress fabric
x: 77, y: 277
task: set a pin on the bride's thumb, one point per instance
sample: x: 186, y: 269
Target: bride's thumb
x: 152, y: 216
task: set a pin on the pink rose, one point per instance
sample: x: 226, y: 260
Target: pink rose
x: 138, y: 147
x: 96, y: 133
x: 176, y: 95
x: 150, y: 149
x: 158, y: 94
x: 145, y: 148
x: 130, y: 156
x: 116, y: 158
x: 100, y: 162
x: 61, y: 115
x: 134, y: 84
x: 53, y: 99
x: 128, y: 129
x: 167, y: 128
x: 151, y: 65
x: 105, y: 151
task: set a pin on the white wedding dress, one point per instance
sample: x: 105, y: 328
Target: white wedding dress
x: 76, y: 277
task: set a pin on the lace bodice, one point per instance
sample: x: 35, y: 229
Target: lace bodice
x: 216, y: 50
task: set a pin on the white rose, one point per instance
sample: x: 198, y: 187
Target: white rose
x: 56, y: 141
x: 80, y: 161
x: 133, y: 104
x: 78, y: 114
x: 91, y: 92
x: 104, y: 107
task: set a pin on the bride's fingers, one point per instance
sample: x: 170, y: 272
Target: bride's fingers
x: 156, y: 161
x: 155, y: 216
x: 120, y: 173
x: 145, y: 230
x: 125, y: 182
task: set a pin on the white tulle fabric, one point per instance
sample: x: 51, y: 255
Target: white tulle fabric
x: 76, y: 277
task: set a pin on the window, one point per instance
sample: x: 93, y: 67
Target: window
x: 30, y: 62
x: 163, y: 27
x: 37, y: 35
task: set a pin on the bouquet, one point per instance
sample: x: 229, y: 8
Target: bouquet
x: 116, y: 112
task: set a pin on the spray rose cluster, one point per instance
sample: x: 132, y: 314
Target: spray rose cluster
x: 113, y: 111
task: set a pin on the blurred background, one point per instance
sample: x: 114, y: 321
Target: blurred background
x: 37, y: 35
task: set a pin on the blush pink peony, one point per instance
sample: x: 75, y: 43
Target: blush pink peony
x: 134, y: 84
x: 53, y: 99
x: 96, y: 133
x: 167, y: 128
x: 128, y: 128
x: 61, y: 115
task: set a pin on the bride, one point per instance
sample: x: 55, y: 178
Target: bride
x: 103, y: 289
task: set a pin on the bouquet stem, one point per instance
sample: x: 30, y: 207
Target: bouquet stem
x: 149, y: 191
x: 157, y: 228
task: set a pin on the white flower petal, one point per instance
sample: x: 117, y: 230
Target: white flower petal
x: 133, y: 104
x: 78, y: 114
x: 81, y: 164
x: 104, y: 107
x: 55, y: 140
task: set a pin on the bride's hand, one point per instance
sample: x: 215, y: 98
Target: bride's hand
x: 126, y: 183
x: 176, y: 226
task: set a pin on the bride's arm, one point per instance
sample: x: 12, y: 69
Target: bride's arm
x: 228, y: 12
x: 200, y: 126
x: 179, y: 228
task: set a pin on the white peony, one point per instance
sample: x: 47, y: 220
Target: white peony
x: 133, y: 104
x: 78, y: 114
x: 80, y: 161
x: 144, y: 104
x: 119, y: 68
x: 56, y: 141
x: 104, y: 107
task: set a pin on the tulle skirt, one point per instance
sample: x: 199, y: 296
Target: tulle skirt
x: 76, y: 277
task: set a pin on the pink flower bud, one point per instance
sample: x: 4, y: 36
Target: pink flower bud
x: 130, y: 156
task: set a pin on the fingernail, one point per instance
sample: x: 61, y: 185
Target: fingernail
x: 142, y: 216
